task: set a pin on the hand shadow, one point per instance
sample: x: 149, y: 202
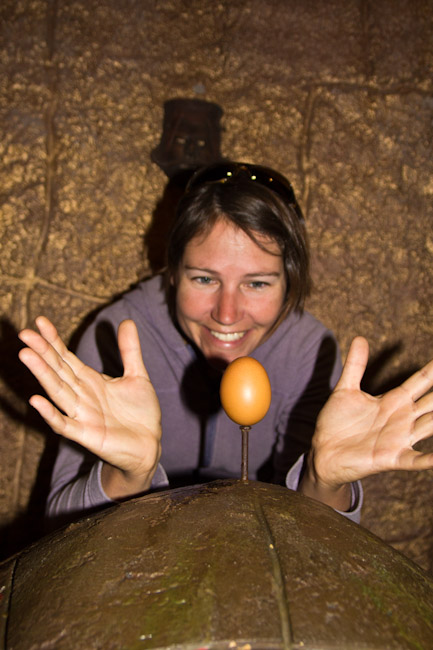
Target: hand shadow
x: 20, y: 386
x: 371, y: 382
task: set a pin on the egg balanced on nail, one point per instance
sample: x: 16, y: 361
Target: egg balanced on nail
x: 245, y: 391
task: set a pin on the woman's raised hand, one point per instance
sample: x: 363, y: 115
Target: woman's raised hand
x: 117, y: 419
x: 358, y: 435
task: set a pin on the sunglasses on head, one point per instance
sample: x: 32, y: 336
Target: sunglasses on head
x: 265, y: 176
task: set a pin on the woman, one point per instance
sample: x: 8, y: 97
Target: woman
x: 235, y: 285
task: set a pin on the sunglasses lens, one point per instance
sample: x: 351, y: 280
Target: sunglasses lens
x: 275, y: 182
x: 212, y: 174
x: 262, y: 175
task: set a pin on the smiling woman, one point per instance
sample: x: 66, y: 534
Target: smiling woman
x: 236, y: 280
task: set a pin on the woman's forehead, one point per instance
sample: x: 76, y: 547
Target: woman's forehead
x: 224, y: 228
x: 228, y: 249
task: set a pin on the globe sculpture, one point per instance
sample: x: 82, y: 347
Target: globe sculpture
x: 230, y: 565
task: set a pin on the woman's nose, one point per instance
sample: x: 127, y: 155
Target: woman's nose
x: 227, y: 309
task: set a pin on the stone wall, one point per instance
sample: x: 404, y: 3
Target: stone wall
x: 337, y: 94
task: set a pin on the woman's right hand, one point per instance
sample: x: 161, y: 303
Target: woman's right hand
x: 117, y: 419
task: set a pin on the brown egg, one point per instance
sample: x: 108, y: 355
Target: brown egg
x: 245, y: 391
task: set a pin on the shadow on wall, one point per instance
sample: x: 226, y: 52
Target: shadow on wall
x: 21, y: 385
x: 156, y: 237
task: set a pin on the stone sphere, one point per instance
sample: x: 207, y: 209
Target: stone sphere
x: 226, y: 565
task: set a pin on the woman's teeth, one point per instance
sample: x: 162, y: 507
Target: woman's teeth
x: 230, y: 336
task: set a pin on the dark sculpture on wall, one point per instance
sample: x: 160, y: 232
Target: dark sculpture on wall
x: 191, y: 136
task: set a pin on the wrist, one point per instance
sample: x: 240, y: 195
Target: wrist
x: 119, y: 484
x: 312, y: 484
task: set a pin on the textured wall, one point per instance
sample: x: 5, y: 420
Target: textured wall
x: 337, y: 94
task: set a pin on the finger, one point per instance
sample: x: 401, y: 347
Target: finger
x: 49, y: 346
x: 412, y: 460
x: 47, y: 338
x: 423, y: 428
x: 424, y: 405
x: 52, y: 416
x: 355, y: 365
x: 46, y: 353
x: 49, y: 332
x: 58, y: 422
x: 56, y: 388
x: 420, y: 382
x: 50, y: 335
x: 130, y: 350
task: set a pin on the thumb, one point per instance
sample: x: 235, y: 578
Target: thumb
x: 355, y: 365
x: 130, y: 350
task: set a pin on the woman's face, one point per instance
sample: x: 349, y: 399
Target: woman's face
x: 229, y: 292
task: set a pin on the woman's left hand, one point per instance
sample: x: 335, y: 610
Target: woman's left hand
x: 358, y: 435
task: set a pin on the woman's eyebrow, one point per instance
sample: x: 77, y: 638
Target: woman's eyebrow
x: 202, y: 269
x: 256, y: 274
x: 263, y: 274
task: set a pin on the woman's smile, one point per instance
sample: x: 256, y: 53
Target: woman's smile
x: 228, y: 337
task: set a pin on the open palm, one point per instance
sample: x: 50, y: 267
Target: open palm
x: 118, y: 419
x: 358, y: 434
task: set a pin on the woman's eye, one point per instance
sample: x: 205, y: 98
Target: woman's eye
x: 202, y: 279
x: 258, y: 284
